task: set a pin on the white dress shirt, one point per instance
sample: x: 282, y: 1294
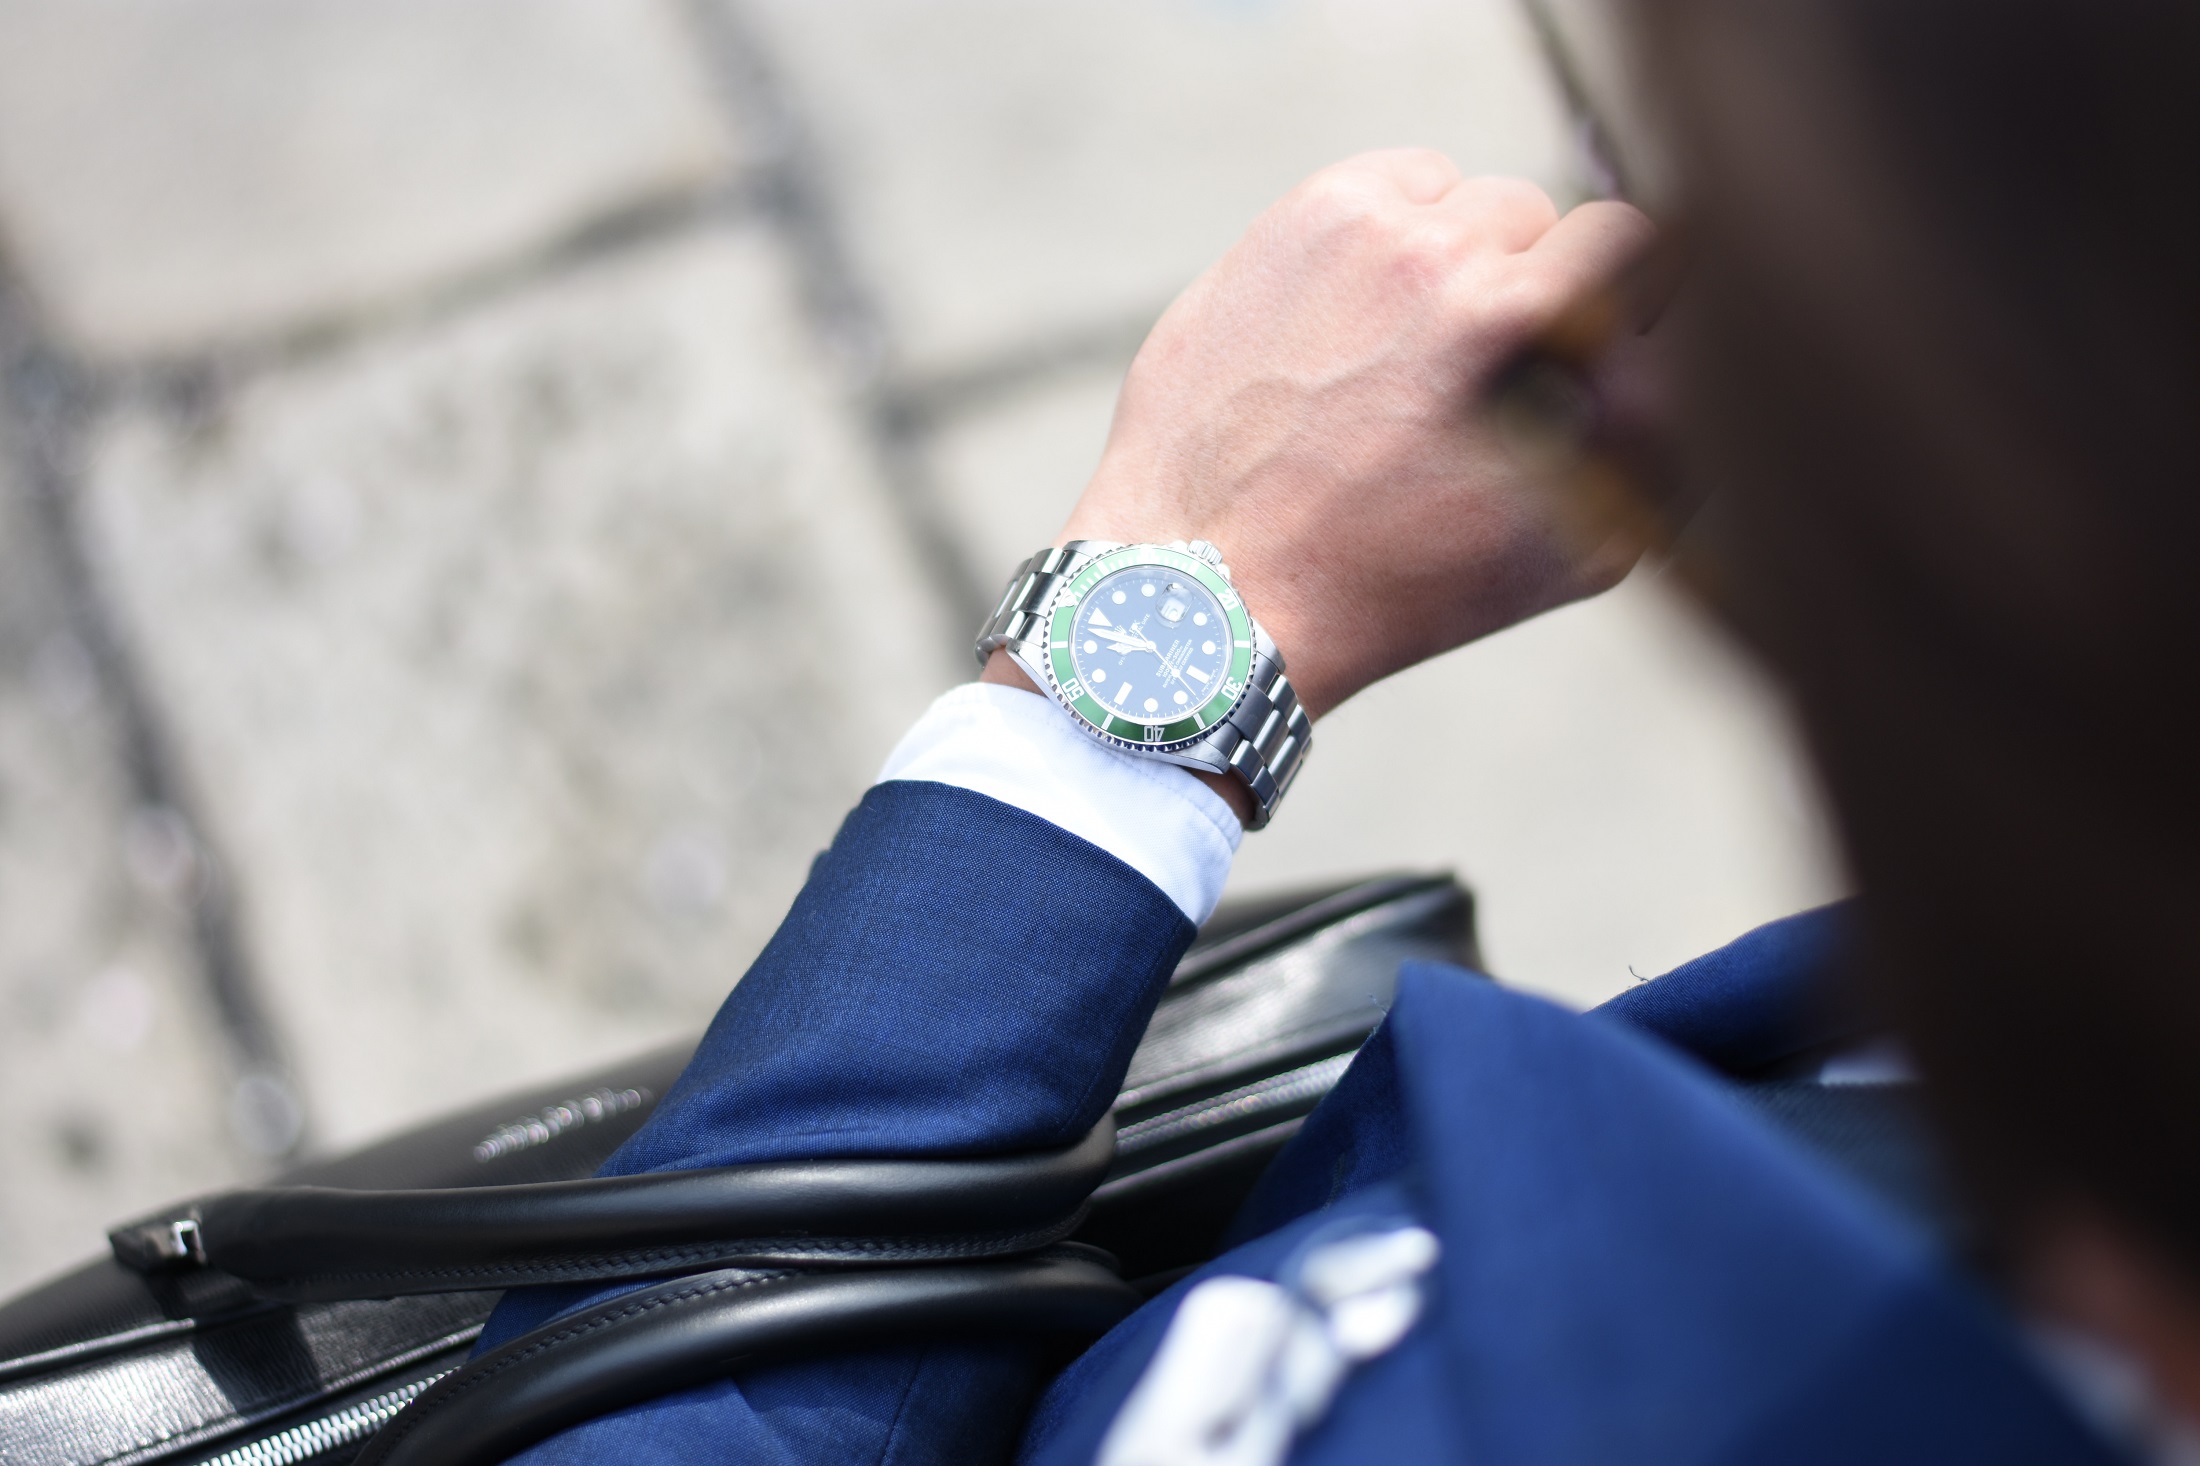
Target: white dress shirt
x: 1020, y: 748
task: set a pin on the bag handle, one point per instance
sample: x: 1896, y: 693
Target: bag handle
x: 313, y: 1243
x: 690, y: 1331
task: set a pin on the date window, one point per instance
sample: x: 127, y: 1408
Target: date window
x: 1172, y: 610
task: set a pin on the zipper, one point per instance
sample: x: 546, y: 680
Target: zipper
x: 310, y: 1438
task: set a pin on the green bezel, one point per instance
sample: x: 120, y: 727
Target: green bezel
x: 1070, y: 690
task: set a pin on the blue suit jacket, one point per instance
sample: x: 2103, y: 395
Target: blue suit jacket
x: 1635, y: 1268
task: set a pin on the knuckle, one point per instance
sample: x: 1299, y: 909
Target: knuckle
x: 1378, y: 230
x: 1521, y: 202
x: 1423, y: 156
x: 1336, y: 198
x: 1423, y: 166
x: 1423, y: 254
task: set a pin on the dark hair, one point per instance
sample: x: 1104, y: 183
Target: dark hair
x: 1943, y: 376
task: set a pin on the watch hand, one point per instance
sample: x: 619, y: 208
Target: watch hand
x: 1178, y: 675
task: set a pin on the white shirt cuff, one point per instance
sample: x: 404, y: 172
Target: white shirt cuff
x: 1020, y: 748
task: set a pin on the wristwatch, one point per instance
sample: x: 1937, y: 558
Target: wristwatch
x: 1150, y: 650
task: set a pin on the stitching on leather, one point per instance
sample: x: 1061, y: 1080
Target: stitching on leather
x: 721, y: 1254
x: 402, y: 1426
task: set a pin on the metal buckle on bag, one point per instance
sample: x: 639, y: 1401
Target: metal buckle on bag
x: 161, y: 1244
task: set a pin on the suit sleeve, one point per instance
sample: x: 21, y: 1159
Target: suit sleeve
x: 958, y: 977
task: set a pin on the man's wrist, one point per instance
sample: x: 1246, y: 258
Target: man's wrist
x: 1003, y: 670
x: 1260, y: 570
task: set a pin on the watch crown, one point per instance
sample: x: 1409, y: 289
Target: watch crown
x: 1205, y: 552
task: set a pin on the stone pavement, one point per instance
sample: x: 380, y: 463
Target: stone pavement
x: 483, y: 483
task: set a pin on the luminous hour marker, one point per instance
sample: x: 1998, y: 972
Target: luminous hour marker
x: 1195, y: 672
x: 1146, y: 589
x: 1152, y: 706
x: 1100, y: 674
x: 1119, y: 598
x: 1100, y: 618
x: 1121, y: 693
x: 1199, y: 618
x: 1093, y: 646
x: 1181, y: 699
x: 1206, y: 646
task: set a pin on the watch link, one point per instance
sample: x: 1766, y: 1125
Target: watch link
x: 1150, y: 650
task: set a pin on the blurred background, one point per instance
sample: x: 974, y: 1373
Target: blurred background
x: 483, y: 483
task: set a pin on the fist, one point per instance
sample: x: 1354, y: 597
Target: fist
x: 1310, y: 405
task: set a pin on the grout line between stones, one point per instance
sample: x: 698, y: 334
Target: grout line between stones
x: 787, y: 190
x: 47, y: 399
x: 918, y: 402
x: 928, y: 401
x: 194, y: 376
x: 842, y: 309
x: 900, y: 410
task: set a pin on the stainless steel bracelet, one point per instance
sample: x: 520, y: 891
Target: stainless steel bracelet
x: 1262, y: 740
x: 1030, y: 590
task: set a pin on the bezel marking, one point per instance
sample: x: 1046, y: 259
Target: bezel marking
x: 1062, y: 671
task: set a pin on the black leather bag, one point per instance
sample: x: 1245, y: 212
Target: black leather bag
x: 293, y: 1323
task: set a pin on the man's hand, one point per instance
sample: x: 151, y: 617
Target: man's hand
x: 1309, y: 405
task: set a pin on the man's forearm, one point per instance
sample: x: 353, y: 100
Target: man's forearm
x: 919, y: 1000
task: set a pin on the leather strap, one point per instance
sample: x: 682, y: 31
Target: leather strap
x: 311, y: 1242
x: 675, y: 1335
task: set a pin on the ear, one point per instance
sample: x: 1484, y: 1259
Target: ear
x: 2088, y: 1269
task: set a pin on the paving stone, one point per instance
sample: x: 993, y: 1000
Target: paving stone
x: 1618, y: 785
x: 525, y: 660
x: 110, y: 1072
x: 1009, y: 475
x: 175, y: 173
x: 1007, y: 170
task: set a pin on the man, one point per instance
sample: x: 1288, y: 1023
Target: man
x: 1600, y: 1257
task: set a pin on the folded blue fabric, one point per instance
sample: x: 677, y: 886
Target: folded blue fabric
x: 1635, y: 1268
x: 915, y: 1002
x: 1776, y: 992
